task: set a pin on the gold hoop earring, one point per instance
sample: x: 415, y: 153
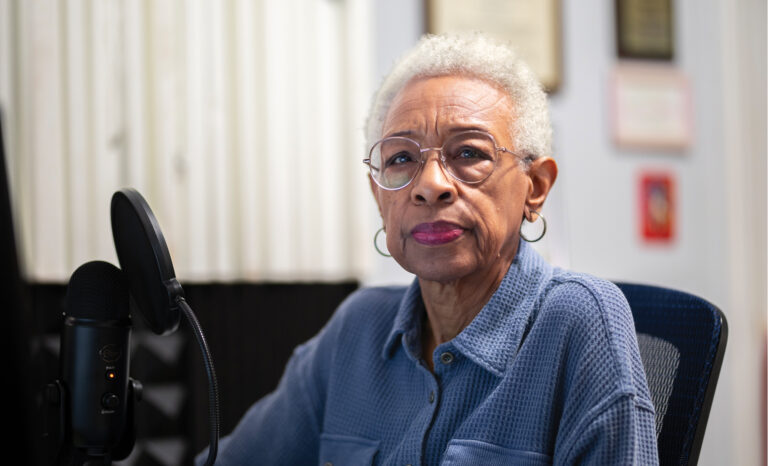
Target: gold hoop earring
x: 376, y: 244
x: 543, y: 230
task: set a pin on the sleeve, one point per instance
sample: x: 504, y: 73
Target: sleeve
x: 621, y: 433
x: 608, y: 417
x: 282, y: 428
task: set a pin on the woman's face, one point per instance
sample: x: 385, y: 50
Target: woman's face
x: 439, y: 228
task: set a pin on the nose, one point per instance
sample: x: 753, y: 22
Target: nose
x: 432, y: 184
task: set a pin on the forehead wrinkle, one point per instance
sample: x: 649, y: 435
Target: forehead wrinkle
x: 447, y: 116
x: 421, y: 110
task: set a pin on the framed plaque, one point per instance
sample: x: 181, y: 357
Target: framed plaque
x: 651, y: 107
x: 644, y: 29
x: 532, y: 27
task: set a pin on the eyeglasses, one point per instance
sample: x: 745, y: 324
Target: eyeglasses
x: 469, y: 156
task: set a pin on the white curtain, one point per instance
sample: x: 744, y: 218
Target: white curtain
x: 241, y: 123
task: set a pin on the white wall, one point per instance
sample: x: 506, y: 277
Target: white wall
x: 592, y: 212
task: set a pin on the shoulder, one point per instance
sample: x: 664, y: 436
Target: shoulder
x: 366, y: 314
x: 376, y: 296
x: 588, y: 299
x: 377, y: 303
x: 358, y: 327
x: 596, y: 318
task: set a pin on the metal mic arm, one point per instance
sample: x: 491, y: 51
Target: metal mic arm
x: 213, y: 390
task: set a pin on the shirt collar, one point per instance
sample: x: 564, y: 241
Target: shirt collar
x: 493, y: 337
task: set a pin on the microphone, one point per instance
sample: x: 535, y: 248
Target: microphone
x: 95, y: 357
x: 89, y: 410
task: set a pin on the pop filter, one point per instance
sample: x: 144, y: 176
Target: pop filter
x: 146, y: 263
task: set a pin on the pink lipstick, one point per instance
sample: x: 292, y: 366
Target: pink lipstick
x: 436, y: 233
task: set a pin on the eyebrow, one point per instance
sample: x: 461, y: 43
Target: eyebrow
x: 452, y: 129
x: 400, y: 133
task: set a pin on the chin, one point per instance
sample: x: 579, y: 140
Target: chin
x: 438, y: 269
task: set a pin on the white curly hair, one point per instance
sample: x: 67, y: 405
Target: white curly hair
x: 481, y: 57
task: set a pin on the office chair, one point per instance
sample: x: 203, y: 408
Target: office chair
x: 682, y: 340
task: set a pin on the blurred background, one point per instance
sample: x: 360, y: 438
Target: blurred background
x: 241, y: 123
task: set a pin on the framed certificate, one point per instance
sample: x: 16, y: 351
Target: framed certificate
x: 532, y: 27
x: 644, y: 29
x: 651, y: 107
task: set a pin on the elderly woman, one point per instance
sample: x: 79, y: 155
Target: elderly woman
x: 491, y: 356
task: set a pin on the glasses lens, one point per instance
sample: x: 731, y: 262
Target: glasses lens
x: 394, y: 162
x: 470, y: 156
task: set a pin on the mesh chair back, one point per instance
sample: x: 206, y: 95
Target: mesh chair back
x: 682, y: 339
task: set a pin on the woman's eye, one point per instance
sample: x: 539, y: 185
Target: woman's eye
x: 399, y: 158
x: 470, y: 153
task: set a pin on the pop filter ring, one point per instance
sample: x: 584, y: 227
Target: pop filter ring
x: 144, y: 257
x: 145, y: 260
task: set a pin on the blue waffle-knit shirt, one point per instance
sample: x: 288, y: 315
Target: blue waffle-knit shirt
x: 547, y: 373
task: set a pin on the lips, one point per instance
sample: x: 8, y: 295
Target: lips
x: 436, y: 233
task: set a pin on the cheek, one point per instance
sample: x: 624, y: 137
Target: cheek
x: 493, y: 232
x: 387, y: 210
x: 498, y: 224
x: 394, y: 218
x: 392, y: 209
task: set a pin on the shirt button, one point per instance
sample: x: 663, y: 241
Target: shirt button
x: 446, y: 358
x: 431, y: 397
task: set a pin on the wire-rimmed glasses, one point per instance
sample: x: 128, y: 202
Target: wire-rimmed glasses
x: 468, y: 156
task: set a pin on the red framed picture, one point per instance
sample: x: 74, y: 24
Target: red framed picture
x: 657, y: 207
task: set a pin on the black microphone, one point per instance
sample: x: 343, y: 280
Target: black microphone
x: 95, y: 357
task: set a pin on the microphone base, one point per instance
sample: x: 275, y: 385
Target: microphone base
x: 57, y: 436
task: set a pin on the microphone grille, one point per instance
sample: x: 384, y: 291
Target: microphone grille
x: 97, y: 290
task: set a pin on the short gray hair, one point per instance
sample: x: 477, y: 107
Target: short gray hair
x: 478, y: 56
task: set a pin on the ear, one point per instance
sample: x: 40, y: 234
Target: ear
x: 542, y: 173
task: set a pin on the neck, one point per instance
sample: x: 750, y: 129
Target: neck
x: 452, y: 306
